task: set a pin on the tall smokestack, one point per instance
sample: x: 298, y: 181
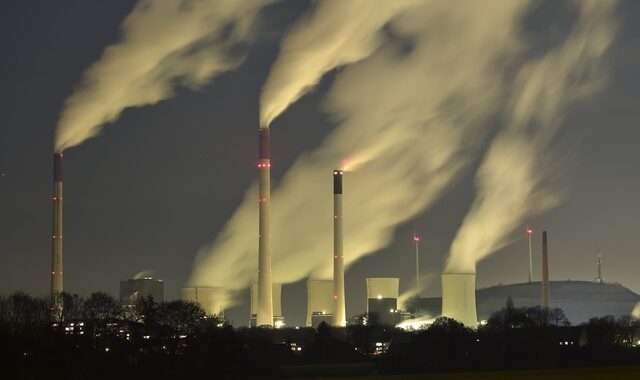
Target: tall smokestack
x: 545, y: 271
x: 339, y: 312
x: 265, y: 295
x: 56, y: 238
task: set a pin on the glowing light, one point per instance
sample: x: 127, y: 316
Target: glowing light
x: 379, y: 296
x: 416, y: 238
x: 279, y: 324
x: 529, y: 231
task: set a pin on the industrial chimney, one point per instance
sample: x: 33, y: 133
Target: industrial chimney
x: 56, y: 242
x: 265, y: 299
x: 276, y: 291
x: 459, y: 298
x: 545, y: 271
x: 339, y: 312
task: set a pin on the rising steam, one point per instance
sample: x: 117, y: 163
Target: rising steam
x: 516, y: 176
x: 163, y: 44
x: 337, y: 33
x: 412, y: 115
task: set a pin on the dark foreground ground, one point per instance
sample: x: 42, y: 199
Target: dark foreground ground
x: 618, y: 373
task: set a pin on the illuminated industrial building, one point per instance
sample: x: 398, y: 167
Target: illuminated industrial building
x: 382, y: 301
x: 134, y: 289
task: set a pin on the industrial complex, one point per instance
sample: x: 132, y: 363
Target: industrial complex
x: 580, y: 300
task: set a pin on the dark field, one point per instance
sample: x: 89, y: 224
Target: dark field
x: 618, y: 373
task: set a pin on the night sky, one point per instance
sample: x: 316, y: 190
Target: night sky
x: 161, y: 181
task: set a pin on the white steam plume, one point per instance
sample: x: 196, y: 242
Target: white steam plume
x: 515, y: 177
x: 411, y: 117
x: 163, y: 44
x: 336, y: 33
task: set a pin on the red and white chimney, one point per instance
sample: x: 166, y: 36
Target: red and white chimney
x: 339, y: 312
x: 264, y: 313
x: 56, y: 238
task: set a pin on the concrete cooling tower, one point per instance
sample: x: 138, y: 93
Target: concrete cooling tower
x: 319, y: 302
x: 276, y: 291
x: 459, y: 298
x: 382, y: 300
x: 210, y: 298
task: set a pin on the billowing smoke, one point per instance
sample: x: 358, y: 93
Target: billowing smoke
x: 163, y: 44
x: 516, y: 176
x: 336, y: 33
x: 411, y: 116
x: 406, y: 300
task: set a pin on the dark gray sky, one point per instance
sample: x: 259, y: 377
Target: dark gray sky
x: 162, y: 180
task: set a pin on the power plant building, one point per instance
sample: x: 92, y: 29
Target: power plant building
x: 135, y: 289
x: 382, y: 300
x: 319, y: 302
x: 580, y: 300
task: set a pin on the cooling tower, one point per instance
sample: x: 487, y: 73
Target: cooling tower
x: 459, y: 298
x: 382, y: 300
x: 276, y: 292
x: 210, y: 298
x: 319, y: 302
x: 56, y: 241
x: 545, y: 271
x: 264, y: 311
x: 339, y: 310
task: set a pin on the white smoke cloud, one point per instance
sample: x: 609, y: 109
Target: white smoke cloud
x: 163, y: 44
x: 405, y: 298
x: 411, y: 115
x: 336, y: 33
x: 515, y: 177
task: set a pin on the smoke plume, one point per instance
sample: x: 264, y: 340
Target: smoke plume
x: 410, y: 116
x: 517, y: 174
x: 337, y: 33
x: 163, y: 44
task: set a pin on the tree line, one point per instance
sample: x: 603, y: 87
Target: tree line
x: 100, y: 339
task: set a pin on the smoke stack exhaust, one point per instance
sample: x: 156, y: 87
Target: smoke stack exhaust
x: 265, y: 296
x: 545, y: 271
x: 459, y: 298
x: 56, y: 239
x: 339, y: 311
